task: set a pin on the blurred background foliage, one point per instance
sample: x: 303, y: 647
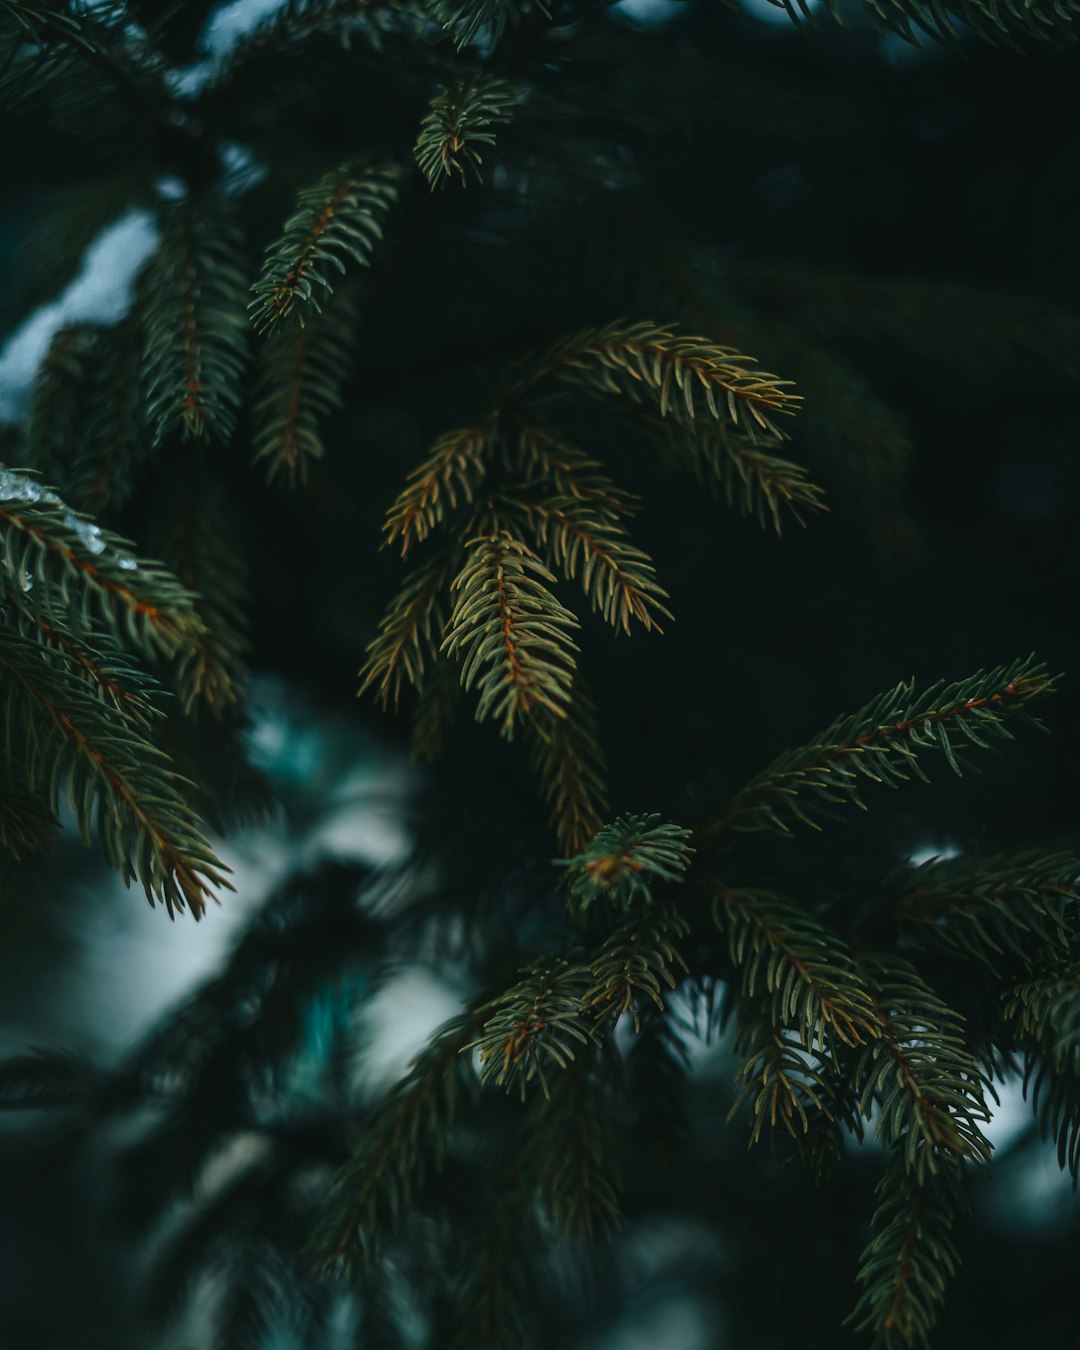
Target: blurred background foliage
x: 891, y: 226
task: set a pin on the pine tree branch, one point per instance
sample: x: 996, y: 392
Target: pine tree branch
x: 301, y: 379
x: 203, y: 545
x: 567, y: 758
x: 104, y: 455
x: 638, y: 958
x: 372, y: 1193
x: 25, y: 825
x: 756, y: 483
x: 116, y: 780
x: 925, y: 1081
x: 410, y: 633
x: 574, y: 1141
x: 535, y: 1025
x: 784, y: 954
x: 105, y: 669
x: 881, y: 742
x: 1044, y: 1015
x: 1015, y: 906
x: 461, y: 118
x: 68, y: 568
x: 435, y: 711
x: 618, y: 578
x: 54, y: 423
x: 645, y: 363
x: 627, y: 859
x: 548, y: 460
x: 195, y: 337
x: 96, y: 37
x: 905, y: 1268
x: 510, y: 633
x: 470, y: 20
x: 451, y: 474
x: 340, y: 218
x: 290, y: 24
x: 780, y: 1079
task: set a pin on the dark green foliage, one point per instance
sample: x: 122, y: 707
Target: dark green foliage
x: 70, y: 570
x: 905, y: 1269
x: 567, y: 758
x: 925, y: 1082
x: 194, y: 338
x: 625, y: 857
x: 462, y: 118
x: 996, y: 910
x: 785, y: 955
x: 536, y: 1027
x: 1045, y: 1016
x: 881, y: 743
x: 467, y: 20
x: 510, y: 633
x: 340, y: 217
x: 399, y: 1144
x: 637, y: 962
x: 434, y: 345
x: 301, y: 373
x: 120, y: 786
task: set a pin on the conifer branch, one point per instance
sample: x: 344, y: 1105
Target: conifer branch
x: 90, y: 657
x: 116, y: 780
x: 510, y: 633
x: 341, y: 217
x: 536, y: 1024
x: 567, y: 758
x: 468, y: 20
x: 905, y: 1268
x: 756, y: 483
x: 784, y: 954
x: 574, y: 1131
x: 1044, y: 1015
x: 290, y: 23
x: 402, y: 1141
x: 72, y: 60
x: 782, y: 1082
x: 452, y: 474
x: 626, y: 859
x: 493, y: 1264
x: 301, y: 375
x: 618, y: 578
x: 410, y: 633
x: 195, y: 338
x: 689, y: 377
x: 925, y: 1081
x: 550, y: 460
x: 1000, y: 22
x: 639, y: 958
x: 881, y: 743
x: 69, y: 568
x: 461, y: 118
x: 1015, y: 906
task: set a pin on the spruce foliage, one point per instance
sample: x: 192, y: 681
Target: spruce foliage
x: 453, y: 266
